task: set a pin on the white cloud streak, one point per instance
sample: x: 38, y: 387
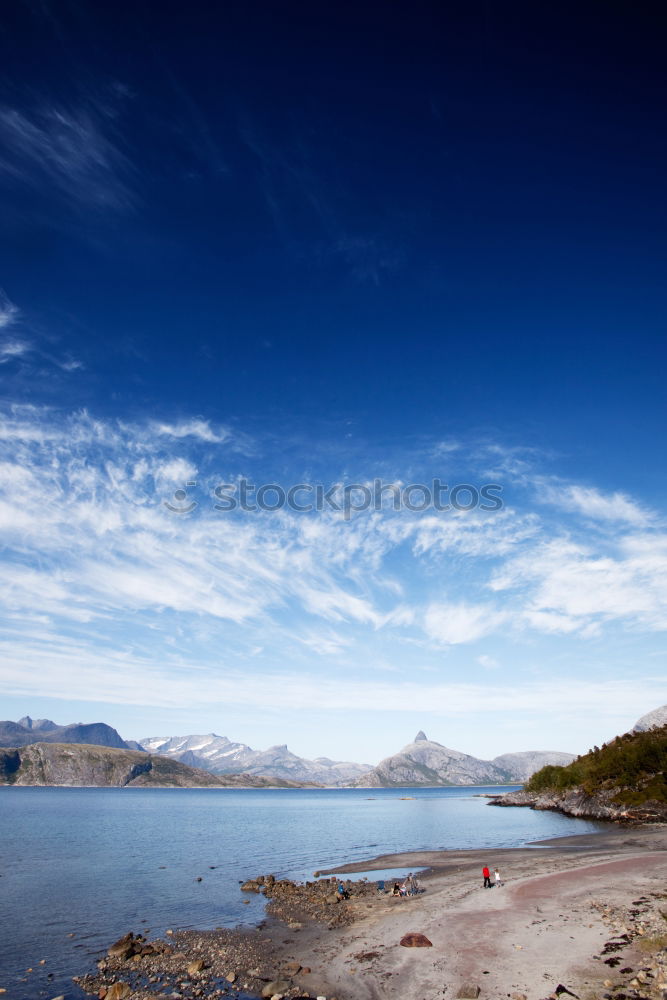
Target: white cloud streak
x: 593, y: 504
x: 69, y: 149
x: 93, y: 559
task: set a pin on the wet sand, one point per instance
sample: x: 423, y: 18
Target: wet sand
x: 539, y: 930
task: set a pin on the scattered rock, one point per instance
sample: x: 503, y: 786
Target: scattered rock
x: 560, y: 989
x: 277, y: 986
x: 197, y: 966
x: 119, y: 991
x: 468, y: 991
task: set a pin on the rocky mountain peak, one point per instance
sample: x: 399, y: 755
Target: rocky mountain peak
x: 652, y: 720
x: 37, y: 724
x: 420, y: 737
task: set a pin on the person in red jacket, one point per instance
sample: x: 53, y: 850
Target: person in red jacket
x: 487, y: 877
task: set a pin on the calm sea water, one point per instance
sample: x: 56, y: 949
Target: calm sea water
x: 97, y: 862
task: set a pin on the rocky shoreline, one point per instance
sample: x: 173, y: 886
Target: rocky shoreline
x: 585, y: 916
x: 575, y: 802
x: 228, y: 963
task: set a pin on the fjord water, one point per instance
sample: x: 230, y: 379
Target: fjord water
x: 79, y: 867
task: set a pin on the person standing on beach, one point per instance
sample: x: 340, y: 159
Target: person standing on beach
x: 486, y: 875
x: 496, y: 875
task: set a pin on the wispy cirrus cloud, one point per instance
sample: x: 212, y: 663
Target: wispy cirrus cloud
x: 452, y: 624
x: 593, y: 503
x: 29, y: 351
x: 568, y: 586
x: 11, y: 346
x: 62, y: 668
x: 200, y: 429
x: 93, y: 557
x: 9, y: 312
x: 70, y: 149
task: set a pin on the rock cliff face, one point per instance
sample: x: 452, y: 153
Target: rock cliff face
x: 652, y: 720
x: 575, y: 802
x: 425, y: 762
x: 27, y: 731
x: 81, y: 765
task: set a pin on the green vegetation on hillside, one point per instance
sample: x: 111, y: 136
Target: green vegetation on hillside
x: 634, y: 763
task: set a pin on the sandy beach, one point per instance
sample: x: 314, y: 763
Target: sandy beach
x: 584, y: 913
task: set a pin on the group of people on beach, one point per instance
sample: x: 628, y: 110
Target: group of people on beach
x: 409, y: 887
x: 486, y: 875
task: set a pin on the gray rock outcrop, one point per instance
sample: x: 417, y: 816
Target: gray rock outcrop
x: 576, y: 802
x: 652, y: 720
x: 81, y: 765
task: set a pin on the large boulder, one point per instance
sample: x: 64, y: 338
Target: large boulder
x: 123, y: 948
x: 416, y: 941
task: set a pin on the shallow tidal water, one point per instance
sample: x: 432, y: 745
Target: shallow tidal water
x: 79, y: 867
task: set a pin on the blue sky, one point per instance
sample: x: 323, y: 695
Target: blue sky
x: 329, y: 244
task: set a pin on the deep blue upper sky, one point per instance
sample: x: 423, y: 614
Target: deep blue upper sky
x: 352, y: 229
x: 400, y: 215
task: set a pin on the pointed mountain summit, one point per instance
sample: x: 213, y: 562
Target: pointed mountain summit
x: 35, y: 725
x: 426, y: 762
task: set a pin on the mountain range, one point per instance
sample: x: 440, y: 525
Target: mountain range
x: 425, y: 762
x: 80, y: 764
x: 422, y: 762
x: 220, y: 755
x: 27, y: 731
